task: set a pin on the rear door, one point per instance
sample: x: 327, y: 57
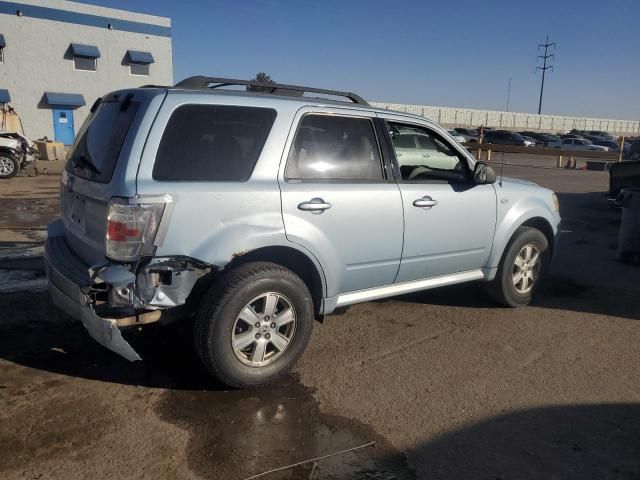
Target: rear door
x: 97, y: 169
x: 338, y: 201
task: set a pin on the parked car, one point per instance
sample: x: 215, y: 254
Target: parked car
x: 530, y: 141
x: 255, y: 213
x: 457, y: 137
x: 470, y: 134
x: 540, y: 139
x: 504, y: 137
x: 17, y: 153
x: 613, y: 146
x: 577, y: 144
x: 413, y: 147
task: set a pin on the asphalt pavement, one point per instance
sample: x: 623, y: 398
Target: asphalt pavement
x: 447, y: 384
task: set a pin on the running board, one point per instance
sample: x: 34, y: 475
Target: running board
x: 407, y: 287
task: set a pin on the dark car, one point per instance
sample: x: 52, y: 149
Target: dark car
x: 504, y: 137
x: 540, y: 138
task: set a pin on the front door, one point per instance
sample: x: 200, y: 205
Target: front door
x: 449, y: 220
x: 63, y: 125
x: 337, y: 202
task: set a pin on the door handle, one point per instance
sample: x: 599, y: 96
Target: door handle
x: 315, y: 205
x: 425, y: 202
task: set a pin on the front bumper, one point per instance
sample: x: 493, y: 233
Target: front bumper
x: 69, y: 286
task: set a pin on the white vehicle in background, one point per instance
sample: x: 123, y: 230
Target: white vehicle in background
x: 416, y: 148
x: 457, y: 136
x: 577, y: 144
x: 16, y: 153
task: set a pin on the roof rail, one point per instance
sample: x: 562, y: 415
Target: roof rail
x: 202, y: 82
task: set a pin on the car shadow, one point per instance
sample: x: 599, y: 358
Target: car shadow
x: 35, y: 334
x: 568, y: 442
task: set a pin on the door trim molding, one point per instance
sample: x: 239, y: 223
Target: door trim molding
x: 369, y: 294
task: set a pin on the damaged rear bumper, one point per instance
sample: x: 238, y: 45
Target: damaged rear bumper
x: 69, y: 286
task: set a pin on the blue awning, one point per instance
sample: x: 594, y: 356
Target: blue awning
x: 87, y: 51
x: 3, y: 43
x: 65, y: 99
x: 140, y: 57
x: 4, y: 96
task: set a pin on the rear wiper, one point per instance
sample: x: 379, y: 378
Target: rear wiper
x: 88, y: 164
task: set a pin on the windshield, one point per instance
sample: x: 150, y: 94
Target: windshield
x: 97, y: 147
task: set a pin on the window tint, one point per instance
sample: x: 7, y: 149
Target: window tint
x: 97, y: 147
x: 334, y: 148
x: 84, y: 63
x: 435, y: 159
x: 139, y: 69
x: 212, y: 143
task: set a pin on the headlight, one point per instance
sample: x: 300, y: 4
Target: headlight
x: 556, y: 202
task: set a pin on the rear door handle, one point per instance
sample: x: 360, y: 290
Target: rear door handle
x: 425, y: 202
x: 315, y: 205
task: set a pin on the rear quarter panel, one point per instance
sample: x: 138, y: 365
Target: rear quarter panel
x: 215, y: 222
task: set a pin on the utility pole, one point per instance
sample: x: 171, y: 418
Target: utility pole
x: 544, y: 66
x: 508, y: 94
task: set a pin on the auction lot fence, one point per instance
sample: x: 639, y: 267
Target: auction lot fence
x: 468, y: 117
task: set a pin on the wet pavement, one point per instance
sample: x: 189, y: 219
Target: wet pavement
x: 447, y: 384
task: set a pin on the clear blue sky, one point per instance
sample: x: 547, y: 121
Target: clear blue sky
x: 454, y: 53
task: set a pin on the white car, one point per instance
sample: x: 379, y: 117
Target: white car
x: 577, y: 144
x: 415, y: 148
x: 457, y: 137
x: 16, y: 153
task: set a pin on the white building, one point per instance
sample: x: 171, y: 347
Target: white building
x: 57, y: 57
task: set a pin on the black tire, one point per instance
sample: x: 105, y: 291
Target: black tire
x: 220, y: 308
x: 501, y: 288
x: 7, y: 157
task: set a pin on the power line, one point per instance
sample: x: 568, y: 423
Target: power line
x: 544, y: 66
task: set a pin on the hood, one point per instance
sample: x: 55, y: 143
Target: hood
x: 516, y: 181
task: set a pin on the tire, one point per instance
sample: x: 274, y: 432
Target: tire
x: 229, y: 311
x: 503, y: 288
x: 9, y: 165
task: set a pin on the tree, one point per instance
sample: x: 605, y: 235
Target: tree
x: 262, y: 78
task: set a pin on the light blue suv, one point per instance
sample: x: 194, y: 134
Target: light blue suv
x: 256, y: 212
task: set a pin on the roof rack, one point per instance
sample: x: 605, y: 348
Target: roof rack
x: 202, y: 82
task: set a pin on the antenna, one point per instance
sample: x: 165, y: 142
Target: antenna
x: 544, y: 66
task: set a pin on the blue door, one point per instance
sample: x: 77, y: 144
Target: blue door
x: 63, y: 125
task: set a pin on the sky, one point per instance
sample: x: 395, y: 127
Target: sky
x: 448, y: 53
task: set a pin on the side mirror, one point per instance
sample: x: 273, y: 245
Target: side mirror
x: 483, y: 174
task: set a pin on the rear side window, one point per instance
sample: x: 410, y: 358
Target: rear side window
x: 331, y: 147
x: 97, y: 147
x: 212, y: 143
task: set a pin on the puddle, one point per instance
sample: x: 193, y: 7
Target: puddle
x: 237, y: 434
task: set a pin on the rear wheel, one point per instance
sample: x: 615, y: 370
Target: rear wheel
x: 9, y: 165
x: 523, y: 264
x: 254, y: 324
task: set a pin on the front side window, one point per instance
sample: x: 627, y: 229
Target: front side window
x: 430, y: 158
x: 85, y: 63
x: 212, y: 143
x: 332, y: 147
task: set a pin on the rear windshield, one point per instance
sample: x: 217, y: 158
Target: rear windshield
x: 97, y: 147
x: 212, y: 143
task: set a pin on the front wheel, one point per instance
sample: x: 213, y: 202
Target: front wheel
x: 9, y: 165
x: 253, y: 324
x: 522, y: 265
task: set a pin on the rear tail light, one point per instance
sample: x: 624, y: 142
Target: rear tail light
x: 132, y: 225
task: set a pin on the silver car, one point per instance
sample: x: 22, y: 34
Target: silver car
x: 257, y: 212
